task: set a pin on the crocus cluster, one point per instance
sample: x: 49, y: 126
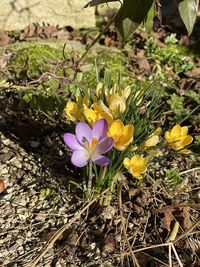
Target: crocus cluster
x: 100, y: 128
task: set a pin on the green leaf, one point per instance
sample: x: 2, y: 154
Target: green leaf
x: 130, y: 15
x: 148, y: 21
x: 188, y: 14
x: 98, y: 2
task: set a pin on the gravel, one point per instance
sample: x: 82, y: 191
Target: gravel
x: 28, y: 165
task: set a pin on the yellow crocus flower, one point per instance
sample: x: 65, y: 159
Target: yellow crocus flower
x: 96, y: 112
x: 178, y: 138
x: 151, y: 141
x: 117, y: 105
x: 122, y: 134
x: 90, y: 115
x: 136, y: 166
x: 73, y: 112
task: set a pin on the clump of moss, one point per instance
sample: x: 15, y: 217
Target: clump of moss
x: 30, y: 62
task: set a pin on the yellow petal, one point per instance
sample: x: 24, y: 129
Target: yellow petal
x: 185, y: 151
x: 117, y: 105
x: 135, y: 160
x: 90, y: 115
x: 116, y: 128
x: 126, y: 163
x: 184, y: 130
x: 157, y: 131
x: 186, y: 140
x: 72, y: 111
x: 176, y: 130
x: 152, y: 141
x: 167, y: 136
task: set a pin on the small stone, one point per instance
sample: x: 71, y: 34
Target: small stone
x: 18, y: 164
x: 3, y: 169
x: 34, y: 144
x: 5, y: 142
x: 14, y: 247
x: 8, y: 196
x: 10, y: 190
x: 60, y: 153
x: 93, y: 246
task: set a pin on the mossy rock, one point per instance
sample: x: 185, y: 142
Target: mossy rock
x: 32, y: 61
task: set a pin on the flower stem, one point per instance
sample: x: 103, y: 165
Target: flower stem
x: 90, y: 178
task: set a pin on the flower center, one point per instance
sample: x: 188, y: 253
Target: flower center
x: 90, y: 146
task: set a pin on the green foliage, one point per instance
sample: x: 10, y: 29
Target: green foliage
x: 45, y: 98
x: 50, y: 194
x: 171, y: 39
x: 167, y: 58
x: 197, y: 140
x: 176, y: 104
x: 29, y: 62
x: 193, y: 96
x: 188, y: 11
x: 130, y: 16
x: 132, y: 13
x: 173, y: 180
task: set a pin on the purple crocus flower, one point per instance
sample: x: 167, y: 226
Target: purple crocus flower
x: 89, y: 144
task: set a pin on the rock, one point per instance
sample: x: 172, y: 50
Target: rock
x: 16, y: 15
x: 34, y: 144
x: 3, y: 169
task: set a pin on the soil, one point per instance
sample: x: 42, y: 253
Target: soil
x: 38, y: 197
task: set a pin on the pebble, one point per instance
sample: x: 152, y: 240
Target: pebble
x: 5, y: 141
x: 3, y: 169
x: 8, y: 196
x: 14, y: 247
x: 18, y: 164
x: 34, y: 144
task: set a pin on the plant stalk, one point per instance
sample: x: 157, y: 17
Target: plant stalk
x: 90, y: 178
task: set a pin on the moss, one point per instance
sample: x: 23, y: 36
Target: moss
x: 29, y: 62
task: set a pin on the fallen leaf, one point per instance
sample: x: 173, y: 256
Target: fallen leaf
x: 186, y: 218
x: 2, y: 186
x: 167, y: 219
x: 195, y: 73
x: 4, y: 39
x: 109, y: 243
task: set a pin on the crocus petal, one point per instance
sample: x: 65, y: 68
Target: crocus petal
x: 104, y: 146
x: 186, y: 140
x: 184, y: 130
x: 126, y: 163
x: 185, y: 151
x: 71, y: 141
x: 83, y: 132
x: 80, y: 158
x: 101, y: 160
x: 100, y: 129
x: 176, y: 130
